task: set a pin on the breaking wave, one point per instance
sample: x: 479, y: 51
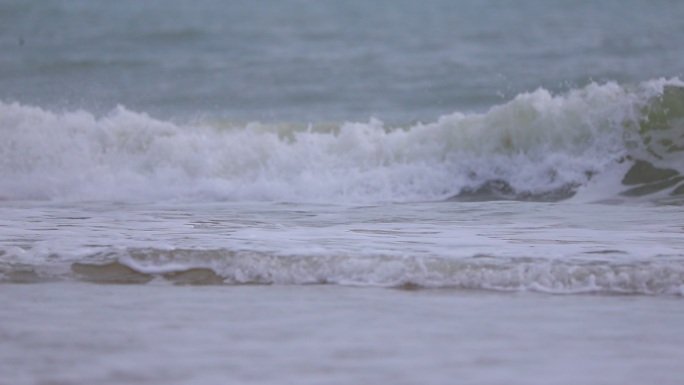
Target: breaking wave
x: 604, y: 142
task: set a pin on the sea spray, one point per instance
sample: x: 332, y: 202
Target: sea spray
x: 538, y: 146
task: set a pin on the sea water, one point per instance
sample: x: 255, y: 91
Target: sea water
x: 318, y: 192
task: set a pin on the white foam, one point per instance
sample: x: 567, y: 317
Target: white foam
x: 479, y: 272
x: 537, y: 142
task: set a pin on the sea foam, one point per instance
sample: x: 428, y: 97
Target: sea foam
x: 538, y: 146
x: 480, y: 272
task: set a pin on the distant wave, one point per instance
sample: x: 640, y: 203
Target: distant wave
x: 602, y: 142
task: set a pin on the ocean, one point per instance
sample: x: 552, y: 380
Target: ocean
x: 328, y: 192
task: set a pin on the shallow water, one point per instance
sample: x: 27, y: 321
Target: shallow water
x: 548, y: 247
x: 82, y: 334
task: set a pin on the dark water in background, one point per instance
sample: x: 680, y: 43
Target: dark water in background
x: 311, y: 61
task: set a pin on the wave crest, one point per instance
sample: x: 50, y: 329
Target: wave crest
x: 538, y: 146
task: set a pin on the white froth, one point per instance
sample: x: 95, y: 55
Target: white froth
x: 511, y: 246
x: 536, y: 143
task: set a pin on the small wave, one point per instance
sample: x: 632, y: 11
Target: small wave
x: 603, y: 141
x: 660, y: 276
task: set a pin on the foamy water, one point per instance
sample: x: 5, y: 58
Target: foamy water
x: 127, y: 198
x: 506, y: 246
x: 537, y: 146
